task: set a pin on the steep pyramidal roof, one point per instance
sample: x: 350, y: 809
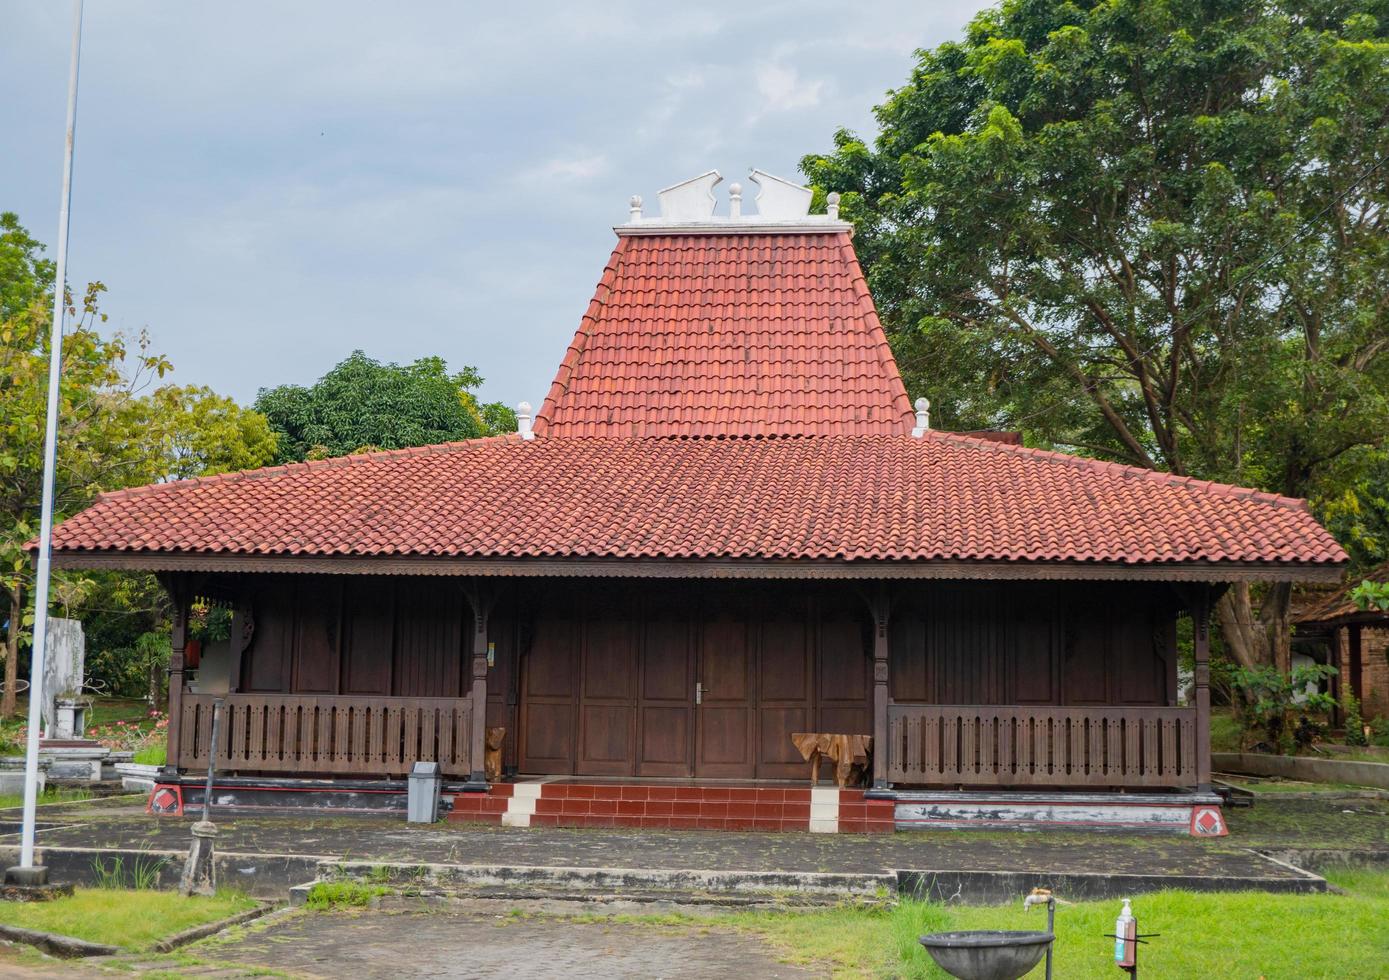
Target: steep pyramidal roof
x: 728, y: 400
x: 720, y: 333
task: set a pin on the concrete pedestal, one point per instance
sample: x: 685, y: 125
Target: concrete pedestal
x: 73, y: 760
x: 199, y: 871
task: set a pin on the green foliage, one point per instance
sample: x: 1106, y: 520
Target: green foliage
x: 1354, y: 505
x: 1149, y: 232
x: 1355, y: 725
x: 343, y: 894
x: 1371, y: 595
x: 209, y: 623
x: 1379, y: 731
x: 26, y: 279
x: 362, y: 404
x: 1282, y: 711
x: 193, y: 431
x: 113, y: 432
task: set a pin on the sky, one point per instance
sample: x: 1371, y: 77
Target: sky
x: 266, y: 187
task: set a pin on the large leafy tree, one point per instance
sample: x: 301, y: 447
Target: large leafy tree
x: 363, y: 404
x: 116, y: 429
x: 1148, y: 231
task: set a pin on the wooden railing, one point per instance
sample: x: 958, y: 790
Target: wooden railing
x: 989, y: 745
x: 326, y: 735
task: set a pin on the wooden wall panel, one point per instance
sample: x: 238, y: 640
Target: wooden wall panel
x: 845, y: 665
x: 265, y: 664
x: 1031, y: 643
x: 316, y: 631
x: 1032, y: 633
x: 429, y: 640
x: 368, y: 641
x: 1088, y: 654
x: 907, y: 654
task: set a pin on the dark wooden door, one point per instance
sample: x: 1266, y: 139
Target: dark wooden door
x: 607, y: 719
x: 666, y: 705
x: 724, y: 744
x: 548, y: 717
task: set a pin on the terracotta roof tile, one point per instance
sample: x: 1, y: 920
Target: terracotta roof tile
x: 856, y: 498
x: 728, y: 335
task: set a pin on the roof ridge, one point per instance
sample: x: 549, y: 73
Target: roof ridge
x: 859, y: 282
x: 1127, y: 470
x: 283, y: 469
x: 560, y: 385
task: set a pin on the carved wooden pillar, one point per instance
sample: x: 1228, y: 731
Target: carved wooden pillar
x: 178, y: 640
x: 1201, y: 650
x: 481, y: 602
x: 881, y: 607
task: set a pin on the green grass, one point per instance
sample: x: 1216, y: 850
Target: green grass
x: 343, y: 894
x: 51, y: 794
x: 1275, y: 785
x: 152, y: 755
x: 106, y: 710
x: 1235, y: 934
x: 133, y: 919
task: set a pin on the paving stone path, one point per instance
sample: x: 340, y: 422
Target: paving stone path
x: 434, y: 943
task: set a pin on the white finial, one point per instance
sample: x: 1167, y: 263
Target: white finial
x: 523, y: 416
x: 634, y: 208
x: 735, y: 200
x: 923, y: 417
x: 832, y: 206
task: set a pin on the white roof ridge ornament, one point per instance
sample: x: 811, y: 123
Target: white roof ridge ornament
x: 690, y: 200
x: 688, y: 207
x: 778, y: 198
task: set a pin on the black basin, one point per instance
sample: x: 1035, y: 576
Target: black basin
x: 990, y: 954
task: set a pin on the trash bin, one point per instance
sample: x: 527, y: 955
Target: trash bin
x: 422, y: 802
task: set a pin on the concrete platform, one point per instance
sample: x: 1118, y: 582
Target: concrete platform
x: 266, y: 855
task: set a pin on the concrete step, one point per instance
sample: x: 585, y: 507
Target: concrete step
x: 658, y: 883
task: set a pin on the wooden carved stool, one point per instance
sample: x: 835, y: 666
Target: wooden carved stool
x: 492, y: 759
x: 850, y: 755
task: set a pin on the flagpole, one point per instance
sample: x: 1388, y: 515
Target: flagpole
x: 50, y: 461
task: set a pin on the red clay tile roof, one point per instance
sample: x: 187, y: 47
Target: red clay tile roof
x: 729, y: 334
x: 854, y: 498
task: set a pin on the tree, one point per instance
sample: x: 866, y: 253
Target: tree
x: 362, y: 404
x: 193, y: 431
x: 112, y: 432
x: 1151, y: 232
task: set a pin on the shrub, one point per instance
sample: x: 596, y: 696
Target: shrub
x: 1276, y: 711
x: 1379, y: 731
x: 1355, y: 725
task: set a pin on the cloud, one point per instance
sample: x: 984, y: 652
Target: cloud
x: 569, y: 168
x: 782, y: 89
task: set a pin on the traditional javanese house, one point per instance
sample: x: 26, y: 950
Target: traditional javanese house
x: 726, y: 524
x: 1331, y: 628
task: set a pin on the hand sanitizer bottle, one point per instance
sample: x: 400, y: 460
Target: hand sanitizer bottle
x: 1121, y: 932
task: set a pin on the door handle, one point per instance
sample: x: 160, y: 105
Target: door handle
x: 699, y: 693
